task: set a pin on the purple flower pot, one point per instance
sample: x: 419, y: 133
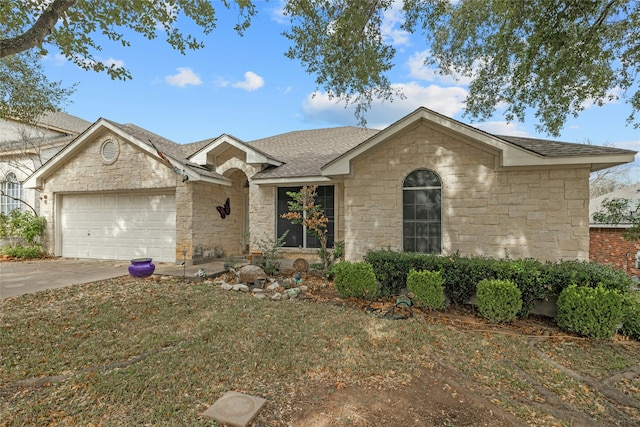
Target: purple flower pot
x: 141, y: 267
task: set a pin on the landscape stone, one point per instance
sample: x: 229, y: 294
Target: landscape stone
x: 273, y: 286
x: 225, y: 286
x: 235, y: 409
x: 251, y: 273
x: 277, y: 296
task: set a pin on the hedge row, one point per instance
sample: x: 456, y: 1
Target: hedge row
x: 536, y: 280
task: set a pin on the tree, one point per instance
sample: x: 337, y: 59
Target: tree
x: 304, y: 210
x: 28, y: 29
x: 554, y: 57
x: 607, y: 180
x: 25, y: 92
x: 621, y: 211
x: 25, y: 154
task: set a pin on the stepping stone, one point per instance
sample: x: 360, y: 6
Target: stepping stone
x: 235, y: 409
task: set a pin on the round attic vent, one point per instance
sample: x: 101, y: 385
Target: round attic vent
x: 110, y: 151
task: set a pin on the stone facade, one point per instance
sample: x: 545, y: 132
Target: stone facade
x: 540, y: 213
x: 524, y: 210
x: 87, y: 172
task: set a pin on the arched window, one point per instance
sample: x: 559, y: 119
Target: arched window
x: 422, y: 212
x: 11, y: 193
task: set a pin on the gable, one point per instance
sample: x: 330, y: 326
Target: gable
x: 143, y: 141
x: 219, y: 150
x: 515, y: 153
x: 107, y: 162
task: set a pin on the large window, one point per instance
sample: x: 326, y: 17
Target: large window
x: 297, y: 236
x: 422, y: 212
x: 11, y: 193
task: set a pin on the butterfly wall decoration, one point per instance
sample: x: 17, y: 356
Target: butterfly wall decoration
x: 224, y: 210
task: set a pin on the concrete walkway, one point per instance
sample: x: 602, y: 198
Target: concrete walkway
x: 23, y: 277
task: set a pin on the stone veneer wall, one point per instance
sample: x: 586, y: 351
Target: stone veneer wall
x: 263, y: 217
x: 528, y: 213
x: 210, y: 232
x: 87, y: 172
x: 607, y: 246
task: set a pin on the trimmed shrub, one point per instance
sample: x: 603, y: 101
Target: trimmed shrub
x: 392, y: 268
x: 24, y: 252
x: 631, y: 318
x: 590, y: 312
x: 525, y: 274
x: 355, y: 280
x: 427, y: 287
x: 498, y: 300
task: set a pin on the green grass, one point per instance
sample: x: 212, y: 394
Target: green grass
x: 136, y: 352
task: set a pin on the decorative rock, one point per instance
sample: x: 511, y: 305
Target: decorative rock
x: 241, y: 287
x: 301, y: 265
x: 273, y: 286
x: 259, y: 295
x: 226, y: 286
x: 251, y: 273
x: 257, y: 290
x: 304, y: 288
x: 285, y: 296
x: 277, y: 296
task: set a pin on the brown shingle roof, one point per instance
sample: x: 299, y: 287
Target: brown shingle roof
x: 546, y: 148
x: 305, y: 152
x: 165, y: 145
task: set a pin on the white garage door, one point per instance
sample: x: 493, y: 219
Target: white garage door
x: 119, y: 226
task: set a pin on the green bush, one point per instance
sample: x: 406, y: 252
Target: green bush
x: 24, y: 252
x: 355, y: 279
x: 498, y: 300
x: 631, y: 317
x: 427, y: 287
x: 591, y: 312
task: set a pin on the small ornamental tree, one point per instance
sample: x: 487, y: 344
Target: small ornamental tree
x: 304, y: 210
x: 618, y: 210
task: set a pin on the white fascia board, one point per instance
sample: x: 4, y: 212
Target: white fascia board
x: 253, y: 156
x: 342, y: 165
x: 36, y: 179
x: 595, y: 162
x: 291, y: 181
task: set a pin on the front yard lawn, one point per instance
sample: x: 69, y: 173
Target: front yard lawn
x: 145, y: 352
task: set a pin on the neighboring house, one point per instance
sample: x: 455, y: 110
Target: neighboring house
x: 607, y: 246
x: 426, y: 183
x: 24, y: 147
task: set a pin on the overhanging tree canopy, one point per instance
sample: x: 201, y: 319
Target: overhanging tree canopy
x: 554, y: 57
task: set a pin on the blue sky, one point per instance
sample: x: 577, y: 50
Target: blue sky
x: 246, y: 87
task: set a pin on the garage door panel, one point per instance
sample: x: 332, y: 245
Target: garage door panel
x: 118, y: 226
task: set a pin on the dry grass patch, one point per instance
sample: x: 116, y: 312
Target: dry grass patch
x: 136, y: 352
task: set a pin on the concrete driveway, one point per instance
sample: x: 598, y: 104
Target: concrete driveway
x: 23, y: 277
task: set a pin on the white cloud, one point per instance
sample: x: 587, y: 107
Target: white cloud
x: 251, y: 82
x: 219, y: 81
x: 503, y: 128
x: 419, y: 70
x: 444, y: 100
x: 185, y: 77
x: 114, y: 62
x: 390, y: 27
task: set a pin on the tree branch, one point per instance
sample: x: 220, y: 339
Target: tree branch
x: 35, y: 213
x: 35, y: 35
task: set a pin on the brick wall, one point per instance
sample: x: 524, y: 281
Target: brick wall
x: 607, y: 246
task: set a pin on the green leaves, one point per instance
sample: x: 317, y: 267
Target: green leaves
x: 620, y: 211
x: 342, y: 44
x: 592, y: 312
